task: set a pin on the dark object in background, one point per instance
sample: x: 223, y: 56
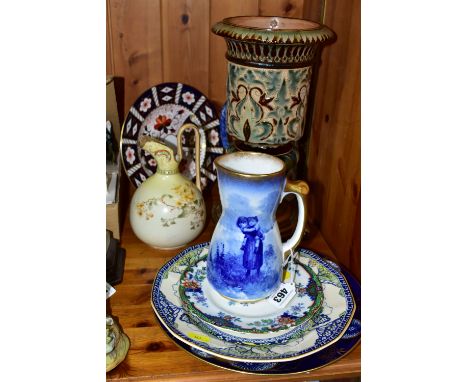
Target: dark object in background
x: 115, y: 260
x: 110, y: 144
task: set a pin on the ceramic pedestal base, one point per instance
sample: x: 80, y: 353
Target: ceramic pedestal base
x: 117, y: 344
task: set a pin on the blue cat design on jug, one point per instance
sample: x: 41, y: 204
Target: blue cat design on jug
x: 245, y: 261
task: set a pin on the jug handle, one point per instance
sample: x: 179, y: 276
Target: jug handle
x: 300, y: 189
x: 191, y: 126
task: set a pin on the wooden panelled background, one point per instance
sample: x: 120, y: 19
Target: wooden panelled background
x: 154, y: 41
x: 334, y: 161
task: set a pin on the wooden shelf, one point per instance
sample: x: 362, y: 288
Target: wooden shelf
x: 153, y: 356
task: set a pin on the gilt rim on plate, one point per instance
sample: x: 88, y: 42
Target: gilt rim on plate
x: 168, y: 313
x: 325, y: 357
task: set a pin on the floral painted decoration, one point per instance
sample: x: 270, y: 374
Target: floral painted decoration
x: 191, y: 285
x: 163, y: 124
x: 159, y: 112
x: 130, y: 155
x: 301, y: 344
x: 303, y: 308
x: 145, y: 105
x: 213, y: 137
x: 185, y: 205
x: 188, y: 98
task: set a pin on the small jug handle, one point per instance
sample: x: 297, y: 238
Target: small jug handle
x: 191, y: 126
x: 300, y: 189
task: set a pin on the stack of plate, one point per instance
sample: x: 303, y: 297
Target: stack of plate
x: 319, y: 325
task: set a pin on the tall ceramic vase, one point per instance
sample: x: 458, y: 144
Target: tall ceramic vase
x: 270, y: 63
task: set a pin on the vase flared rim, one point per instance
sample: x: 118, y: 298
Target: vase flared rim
x: 273, y: 29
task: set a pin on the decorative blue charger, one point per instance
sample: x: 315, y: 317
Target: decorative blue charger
x: 324, y: 357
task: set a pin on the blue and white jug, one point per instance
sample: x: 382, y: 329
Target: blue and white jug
x: 246, y: 255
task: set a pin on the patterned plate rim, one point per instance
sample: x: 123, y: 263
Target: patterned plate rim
x: 265, y: 372
x: 190, y: 342
x: 171, y: 336
x: 212, y: 124
x: 311, y: 311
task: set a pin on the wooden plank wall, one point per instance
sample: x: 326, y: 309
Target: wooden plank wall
x: 154, y: 41
x: 334, y: 162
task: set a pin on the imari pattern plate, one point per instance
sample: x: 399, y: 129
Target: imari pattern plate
x: 160, y: 112
x: 326, y: 356
x: 322, y: 330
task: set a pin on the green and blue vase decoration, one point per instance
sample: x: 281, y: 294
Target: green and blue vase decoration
x: 270, y: 61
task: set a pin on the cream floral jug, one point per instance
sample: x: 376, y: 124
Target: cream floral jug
x: 167, y: 210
